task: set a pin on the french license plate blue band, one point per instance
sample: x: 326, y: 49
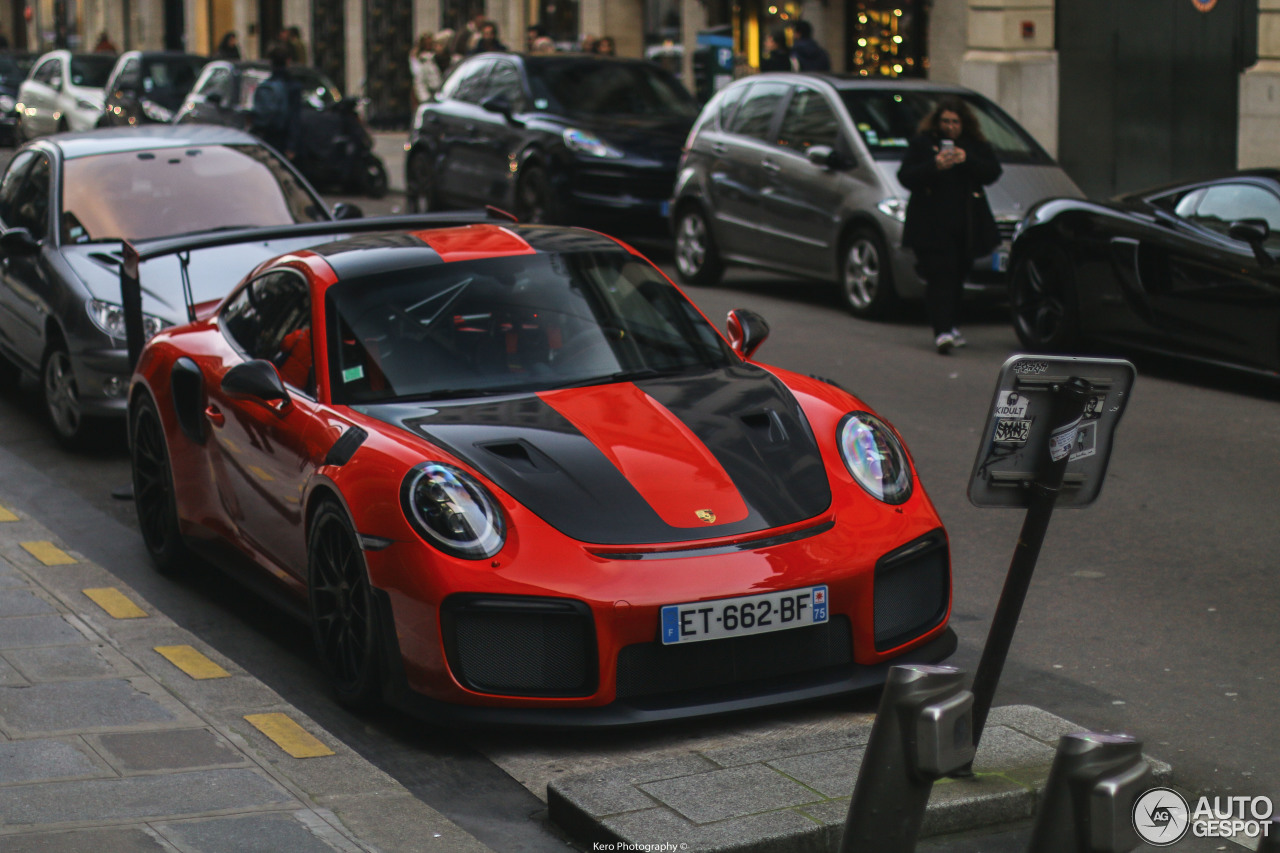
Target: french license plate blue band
x: 751, y: 614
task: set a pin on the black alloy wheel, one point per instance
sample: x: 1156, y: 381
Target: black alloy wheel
x: 420, y: 183
x: 153, y: 490
x: 697, y: 260
x: 1042, y: 299
x: 866, y: 274
x: 533, y: 198
x: 72, y: 428
x: 343, y: 621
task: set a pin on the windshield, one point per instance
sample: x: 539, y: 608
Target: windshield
x: 888, y: 118
x: 583, y: 86
x: 138, y: 195
x: 512, y: 324
x: 167, y: 81
x: 11, y: 74
x: 91, y: 70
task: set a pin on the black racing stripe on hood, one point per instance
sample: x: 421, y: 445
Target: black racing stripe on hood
x: 755, y: 428
x: 537, y: 456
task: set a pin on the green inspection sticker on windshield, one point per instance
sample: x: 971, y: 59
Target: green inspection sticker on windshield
x: 351, y: 374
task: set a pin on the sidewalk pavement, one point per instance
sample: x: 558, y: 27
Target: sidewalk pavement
x: 389, y: 145
x: 120, y: 731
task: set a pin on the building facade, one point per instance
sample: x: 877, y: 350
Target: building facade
x: 1123, y: 92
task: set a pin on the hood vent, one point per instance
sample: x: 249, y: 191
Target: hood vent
x: 520, y: 456
x: 766, y: 428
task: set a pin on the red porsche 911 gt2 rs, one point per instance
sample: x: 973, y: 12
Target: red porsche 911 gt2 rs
x: 513, y: 475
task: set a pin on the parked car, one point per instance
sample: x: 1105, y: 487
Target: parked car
x: 14, y: 68
x: 64, y: 91
x: 148, y: 87
x: 335, y: 149
x: 1189, y: 270
x: 799, y: 173
x: 512, y: 474
x: 561, y: 138
x: 223, y: 93
x: 66, y: 203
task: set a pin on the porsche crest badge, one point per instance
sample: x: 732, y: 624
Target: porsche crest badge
x: 706, y: 516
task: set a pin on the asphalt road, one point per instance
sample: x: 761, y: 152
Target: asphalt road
x: 1152, y: 612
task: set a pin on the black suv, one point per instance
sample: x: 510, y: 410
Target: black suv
x: 147, y: 87
x: 563, y: 138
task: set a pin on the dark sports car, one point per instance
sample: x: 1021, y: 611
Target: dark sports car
x: 511, y: 474
x: 1188, y: 270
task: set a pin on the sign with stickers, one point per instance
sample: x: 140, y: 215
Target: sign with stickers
x: 1018, y: 435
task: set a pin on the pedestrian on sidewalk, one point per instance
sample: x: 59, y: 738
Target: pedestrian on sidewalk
x: 776, y: 55
x: 426, y: 73
x: 807, y: 54
x: 949, y: 221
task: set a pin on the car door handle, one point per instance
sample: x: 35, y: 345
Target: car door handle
x: 215, y: 416
x: 770, y: 166
x: 720, y: 148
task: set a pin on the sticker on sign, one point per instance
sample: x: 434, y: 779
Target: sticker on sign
x: 1011, y: 404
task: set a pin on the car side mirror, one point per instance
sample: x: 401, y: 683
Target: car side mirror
x: 18, y: 242
x: 1254, y: 232
x: 827, y: 157
x: 257, y: 379
x: 56, y: 82
x: 346, y: 210
x: 502, y: 105
x: 747, y: 331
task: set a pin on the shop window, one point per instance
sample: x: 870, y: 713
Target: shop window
x: 886, y: 38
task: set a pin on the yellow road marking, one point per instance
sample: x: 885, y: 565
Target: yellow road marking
x: 5, y: 515
x: 115, y: 602
x: 48, y: 553
x: 192, y: 662
x: 288, y: 735
x: 260, y: 474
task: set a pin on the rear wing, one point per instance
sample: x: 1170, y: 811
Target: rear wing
x: 135, y: 255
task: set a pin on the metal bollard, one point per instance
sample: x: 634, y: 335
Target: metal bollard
x: 923, y: 731
x: 1270, y: 843
x: 1087, y: 805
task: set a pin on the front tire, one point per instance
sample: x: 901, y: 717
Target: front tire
x: 62, y: 398
x: 343, y: 619
x: 533, y: 198
x: 697, y: 259
x: 420, y: 186
x: 154, y: 493
x: 1042, y: 299
x: 374, y: 176
x: 866, y: 274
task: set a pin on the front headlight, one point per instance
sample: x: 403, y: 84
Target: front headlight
x: 109, y: 317
x: 586, y: 142
x: 453, y: 511
x: 893, y: 207
x: 155, y: 112
x: 875, y: 457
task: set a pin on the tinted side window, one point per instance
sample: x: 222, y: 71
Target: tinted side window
x: 728, y: 104
x: 755, y: 114
x: 11, y: 183
x: 808, y: 121
x: 505, y: 81
x: 218, y: 82
x: 271, y: 319
x: 31, y: 203
x: 130, y: 77
x: 468, y: 84
x: 46, y: 72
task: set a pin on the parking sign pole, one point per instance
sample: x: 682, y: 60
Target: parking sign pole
x: 1069, y: 399
x: 1089, y: 799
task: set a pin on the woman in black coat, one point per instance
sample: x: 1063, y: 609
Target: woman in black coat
x: 949, y: 222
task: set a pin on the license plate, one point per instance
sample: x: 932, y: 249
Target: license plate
x: 748, y: 614
x: 1000, y: 260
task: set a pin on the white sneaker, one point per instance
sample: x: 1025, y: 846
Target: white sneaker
x: 945, y: 342
x: 957, y: 339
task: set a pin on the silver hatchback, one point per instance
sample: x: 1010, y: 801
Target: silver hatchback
x: 799, y: 173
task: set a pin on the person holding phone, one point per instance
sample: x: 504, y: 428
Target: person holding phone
x: 949, y: 221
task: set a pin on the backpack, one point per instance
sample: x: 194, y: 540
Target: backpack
x: 271, y: 106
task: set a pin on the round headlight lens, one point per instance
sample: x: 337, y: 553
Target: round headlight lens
x: 453, y: 511
x: 875, y: 457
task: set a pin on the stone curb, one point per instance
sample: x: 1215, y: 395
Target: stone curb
x: 793, y: 795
